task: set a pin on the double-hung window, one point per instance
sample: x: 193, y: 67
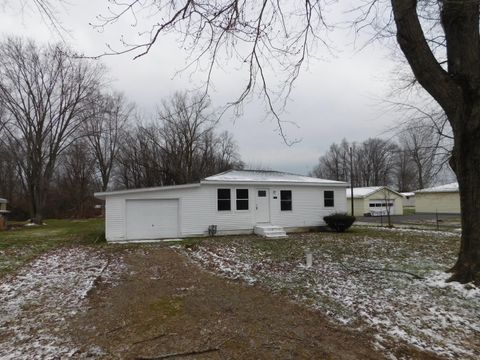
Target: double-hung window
x: 285, y: 200
x: 242, y: 199
x: 223, y: 200
x: 328, y: 198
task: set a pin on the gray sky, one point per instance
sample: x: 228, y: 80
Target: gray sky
x: 332, y: 99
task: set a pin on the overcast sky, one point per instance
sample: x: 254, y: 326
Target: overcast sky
x: 335, y: 98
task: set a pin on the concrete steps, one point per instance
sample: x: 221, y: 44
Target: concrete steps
x: 270, y: 231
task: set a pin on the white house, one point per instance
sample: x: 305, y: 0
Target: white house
x: 442, y: 199
x: 235, y: 202
x: 374, y: 201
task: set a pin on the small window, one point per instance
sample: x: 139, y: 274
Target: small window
x: 328, y: 198
x: 285, y: 200
x: 242, y: 199
x: 371, y: 205
x: 262, y: 193
x: 223, y: 200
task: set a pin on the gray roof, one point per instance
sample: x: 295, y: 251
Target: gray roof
x: 267, y: 176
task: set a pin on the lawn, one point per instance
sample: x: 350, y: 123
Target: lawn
x: 24, y: 243
x: 387, y: 281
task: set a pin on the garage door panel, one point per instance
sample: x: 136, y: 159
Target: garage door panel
x: 151, y: 218
x: 381, y: 207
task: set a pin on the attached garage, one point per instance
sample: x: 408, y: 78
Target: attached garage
x: 151, y: 218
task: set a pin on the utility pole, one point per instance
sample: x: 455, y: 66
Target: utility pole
x: 351, y: 178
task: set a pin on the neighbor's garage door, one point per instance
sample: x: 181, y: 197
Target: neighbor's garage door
x: 151, y: 219
x: 380, y: 207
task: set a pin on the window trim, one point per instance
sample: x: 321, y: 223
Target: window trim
x: 325, y: 199
x: 290, y: 201
x: 229, y: 200
x: 247, y: 199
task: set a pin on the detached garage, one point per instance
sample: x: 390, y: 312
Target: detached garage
x: 375, y: 201
x: 234, y: 202
x: 444, y: 199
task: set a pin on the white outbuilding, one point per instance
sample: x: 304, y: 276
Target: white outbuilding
x: 3, y: 212
x: 444, y: 199
x: 233, y: 202
x: 374, y: 201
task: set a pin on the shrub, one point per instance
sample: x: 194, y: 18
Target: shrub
x: 339, y: 222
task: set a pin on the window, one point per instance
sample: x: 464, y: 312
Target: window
x: 262, y: 193
x: 285, y: 200
x: 223, y: 200
x: 328, y: 199
x: 242, y: 199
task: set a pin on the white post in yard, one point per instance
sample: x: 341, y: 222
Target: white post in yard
x: 309, y: 258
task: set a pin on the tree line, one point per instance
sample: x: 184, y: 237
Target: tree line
x: 410, y: 161
x: 65, y: 134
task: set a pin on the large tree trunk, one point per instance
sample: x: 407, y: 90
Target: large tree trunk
x: 466, y: 164
x: 457, y: 90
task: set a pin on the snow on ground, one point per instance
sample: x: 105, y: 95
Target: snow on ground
x: 37, y: 302
x: 345, y: 283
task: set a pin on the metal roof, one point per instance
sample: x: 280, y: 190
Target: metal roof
x: 267, y: 176
x: 452, y: 187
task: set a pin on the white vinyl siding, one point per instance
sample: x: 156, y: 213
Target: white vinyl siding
x: 441, y: 202
x: 197, y: 208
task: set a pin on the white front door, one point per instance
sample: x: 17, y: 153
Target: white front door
x: 262, y: 207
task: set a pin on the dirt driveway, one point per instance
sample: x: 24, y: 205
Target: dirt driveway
x: 164, y: 304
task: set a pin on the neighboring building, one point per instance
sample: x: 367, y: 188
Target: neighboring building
x: 444, y: 199
x: 374, y: 201
x: 236, y: 202
x: 3, y: 211
x: 408, y: 199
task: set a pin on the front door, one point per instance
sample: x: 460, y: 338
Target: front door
x: 262, y: 208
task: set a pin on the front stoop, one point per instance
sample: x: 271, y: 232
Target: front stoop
x: 270, y: 231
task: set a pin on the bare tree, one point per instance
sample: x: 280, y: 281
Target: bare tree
x: 102, y: 128
x: 180, y: 147
x: 75, y: 181
x: 45, y: 93
x: 405, y: 173
x: 374, y: 162
x: 421, y: 146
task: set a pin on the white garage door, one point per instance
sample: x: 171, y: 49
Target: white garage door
x: 380, y: 207
x: 151, y: 219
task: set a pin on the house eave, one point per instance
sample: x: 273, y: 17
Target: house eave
x: 103, y: 195
x: 272, y: 183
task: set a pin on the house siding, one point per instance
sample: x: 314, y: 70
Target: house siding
x: 446, y: 203
x: 198, y: 208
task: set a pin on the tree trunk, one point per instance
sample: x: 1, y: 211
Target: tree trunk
x: 466, y: 164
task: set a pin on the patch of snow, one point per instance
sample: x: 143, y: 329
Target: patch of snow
x: 37, y: 302
x: 428, y: 313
